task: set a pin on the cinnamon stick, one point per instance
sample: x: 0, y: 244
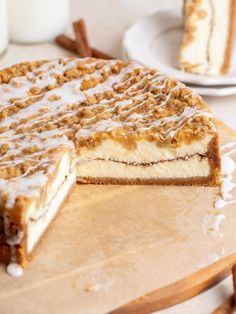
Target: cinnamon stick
x: 69, y: 44
x: 81, y: 39
x: 83, y: 32
x: 101, y: 55
x: 66, y: 43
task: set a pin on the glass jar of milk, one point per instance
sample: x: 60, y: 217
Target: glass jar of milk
x: 34, y: 21
x: 3, y: 26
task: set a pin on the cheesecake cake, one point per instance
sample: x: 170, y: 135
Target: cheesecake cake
x: 92, y: 121
x: 208, y: 36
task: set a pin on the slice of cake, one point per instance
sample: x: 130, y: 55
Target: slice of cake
x: 93, y: 121
x: 208, y: 36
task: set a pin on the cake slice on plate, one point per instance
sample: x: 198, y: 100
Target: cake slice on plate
x: 208, y: 36
x: 92, y: 121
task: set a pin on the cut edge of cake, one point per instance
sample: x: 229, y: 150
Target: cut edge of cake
x: 158, y: 165
x: 26, y: 222
x: 35, y: 217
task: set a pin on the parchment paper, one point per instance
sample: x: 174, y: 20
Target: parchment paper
x: 111, y: 244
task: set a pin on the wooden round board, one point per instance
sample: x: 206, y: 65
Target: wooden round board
x: 112, y: 244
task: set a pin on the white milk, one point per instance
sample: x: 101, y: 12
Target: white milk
x: 33, y: 21
x: 3, y: 26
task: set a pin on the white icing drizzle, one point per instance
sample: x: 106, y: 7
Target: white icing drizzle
x: 97, y: 286
x: 111, y: 113
x: 70, y: 94
x: 14, y: 269
x: 211, y: 222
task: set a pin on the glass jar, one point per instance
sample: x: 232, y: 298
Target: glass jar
x: 3, y: 26
x: 34, y: 21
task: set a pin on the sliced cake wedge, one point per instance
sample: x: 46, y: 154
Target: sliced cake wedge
x: 208, y: 36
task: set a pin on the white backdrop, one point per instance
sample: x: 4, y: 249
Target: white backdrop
x: 106, y: 21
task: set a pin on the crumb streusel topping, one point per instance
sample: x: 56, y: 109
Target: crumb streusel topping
x: 71, y: 103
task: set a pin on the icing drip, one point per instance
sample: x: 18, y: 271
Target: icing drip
x: 12, y: 240
x: 211, y: 222
x: 97, y: 287
x: 14, y: 269
x: 228, y: 168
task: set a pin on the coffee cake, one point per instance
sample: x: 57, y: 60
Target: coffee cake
x: 92, y: 121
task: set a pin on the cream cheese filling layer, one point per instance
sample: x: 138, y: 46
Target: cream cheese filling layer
x: 145, y: 162
x: 194, y: 166
x: 38, y: 218
x: 145, y: 152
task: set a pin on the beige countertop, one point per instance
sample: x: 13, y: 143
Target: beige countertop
x: 107, y: 20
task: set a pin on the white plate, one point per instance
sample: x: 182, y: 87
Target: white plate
x: 154, y: 42
x: 213, y: 90
x: 216, y: 90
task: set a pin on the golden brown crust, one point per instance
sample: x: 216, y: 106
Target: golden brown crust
x: 5, y: 253
x: 194, y: 181
x: 228, y: 51
x: 215, y: 160
x: 20, y: 250
x: 19, y: 253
